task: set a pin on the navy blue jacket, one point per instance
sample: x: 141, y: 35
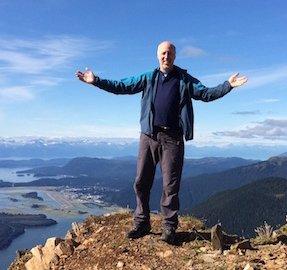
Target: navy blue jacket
x: 190, y: 88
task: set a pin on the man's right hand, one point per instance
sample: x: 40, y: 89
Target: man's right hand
x: 87, y: 76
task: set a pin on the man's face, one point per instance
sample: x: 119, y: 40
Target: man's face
x: 165, y: 56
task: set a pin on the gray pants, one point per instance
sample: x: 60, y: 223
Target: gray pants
x: 167, y: 149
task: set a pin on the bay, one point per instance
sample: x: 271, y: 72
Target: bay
x: 57, y: 204
x: 10, y: 175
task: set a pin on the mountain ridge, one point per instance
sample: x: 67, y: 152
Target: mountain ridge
x: 243, y: 209
x: 234, y: 178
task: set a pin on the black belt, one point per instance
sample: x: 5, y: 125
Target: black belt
x: 161, y: 128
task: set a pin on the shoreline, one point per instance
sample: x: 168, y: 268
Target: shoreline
x: 58, y: 203
x: 13, y: 225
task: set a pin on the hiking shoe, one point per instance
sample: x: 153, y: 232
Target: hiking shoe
x: 139, y: 232
x: 168, y: 236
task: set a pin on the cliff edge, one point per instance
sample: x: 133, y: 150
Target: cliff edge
x: 100, y: 243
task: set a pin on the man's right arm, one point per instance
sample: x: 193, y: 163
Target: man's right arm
x: 131, y: 85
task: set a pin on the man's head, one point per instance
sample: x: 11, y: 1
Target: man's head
x: 166, y: 56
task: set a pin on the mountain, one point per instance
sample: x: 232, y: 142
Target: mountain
x: 244, y: 209
x: 9, y: 163
x: 44, y: 147
x: 41, y: 147
x: 108, y: 172
x: 99, y: 167
x: 203, y: 186
x: 193, y: 167
x: 119, y: 175
x: 195, y: 190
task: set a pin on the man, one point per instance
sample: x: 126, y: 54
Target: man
x: 166, y: 117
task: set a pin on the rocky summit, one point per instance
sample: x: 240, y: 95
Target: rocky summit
x: 100, y: 243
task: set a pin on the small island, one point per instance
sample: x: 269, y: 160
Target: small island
x: 82, y: 212
x: 13, y: 199
x: 11, y: 226
x: 32, y: 195
x: 38, y: 206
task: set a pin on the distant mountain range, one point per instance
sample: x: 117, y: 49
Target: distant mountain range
x: 242, y: 210
x: 9, y: 163
x: 126, y: 167
x: 30, y: 147
x: 202, y: 179
x: 35, y: 147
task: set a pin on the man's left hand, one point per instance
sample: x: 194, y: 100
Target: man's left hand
x: 235, y: 81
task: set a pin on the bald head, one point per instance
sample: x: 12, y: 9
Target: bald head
x: 166, y: 56
x: 165, y: 44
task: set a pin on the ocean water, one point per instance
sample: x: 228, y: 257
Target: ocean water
x: 55, y: 205
x: 35, y: 236
x: 10, y: 175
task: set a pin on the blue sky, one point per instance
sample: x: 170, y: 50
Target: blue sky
x: 44, y: 42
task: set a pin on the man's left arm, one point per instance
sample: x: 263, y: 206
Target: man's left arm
x: 201, y: 92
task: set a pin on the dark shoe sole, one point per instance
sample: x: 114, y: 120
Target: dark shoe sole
x: 170, y: 239
x: 135, y: 235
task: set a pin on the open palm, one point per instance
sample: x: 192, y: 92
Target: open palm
x: 86, y: 76
x: 235, y: 81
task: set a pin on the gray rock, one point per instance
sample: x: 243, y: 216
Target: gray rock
x: 217, y: 237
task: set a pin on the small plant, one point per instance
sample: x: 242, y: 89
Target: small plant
x: 264, y: 234
x: 264, y: 231
x: 76, y: 229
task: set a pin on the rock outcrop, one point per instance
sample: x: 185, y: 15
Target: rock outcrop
x: 100, y: 243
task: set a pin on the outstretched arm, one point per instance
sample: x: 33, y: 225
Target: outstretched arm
x: 130, y: 85
x: 201, y: 92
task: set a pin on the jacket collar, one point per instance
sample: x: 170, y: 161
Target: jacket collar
x: 176, y: 67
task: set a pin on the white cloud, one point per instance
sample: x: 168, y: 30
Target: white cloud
x: 191, y: 51
x: 256, y: 77
x: 36, y: 56
x: 267, y: 76
x: 269, y: 129
x: 23, y: 63
x: 247, y: 112
x: 16, y: 93
x: 40, y: 62
x: 46, y: 81
x: 268, y: 100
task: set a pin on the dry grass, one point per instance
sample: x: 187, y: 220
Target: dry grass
x: 264, y: 234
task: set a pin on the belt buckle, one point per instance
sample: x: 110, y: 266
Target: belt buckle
x: 164, y: 128
x: 161, y: 128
